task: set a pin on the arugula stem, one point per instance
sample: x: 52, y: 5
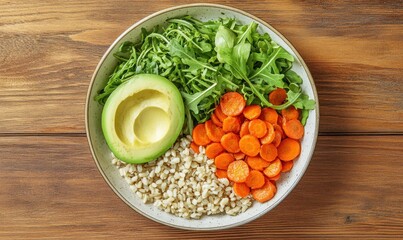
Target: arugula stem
x: 158, y: 36
x: 229, y: 82
x: 288, y: 103
x: 257, y: 93
x: 273, y: 58
x: 186, y: 37
x: 182, y: 22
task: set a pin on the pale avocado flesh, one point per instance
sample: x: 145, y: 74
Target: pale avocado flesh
x: 142, y: 118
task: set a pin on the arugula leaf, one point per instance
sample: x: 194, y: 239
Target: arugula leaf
x: 247, y: 34
x: 304, y: 116
x: 175, y: 49
x: 193, y: 100
x: 304, y: 103
x: 293, y: 77
x: 272, y: 79
x: 224, y: 42
x: 270, y: 62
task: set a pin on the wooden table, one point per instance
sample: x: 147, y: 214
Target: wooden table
x: 50, y: 187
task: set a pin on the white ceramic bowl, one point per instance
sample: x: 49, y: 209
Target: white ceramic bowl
x: 102, y: 154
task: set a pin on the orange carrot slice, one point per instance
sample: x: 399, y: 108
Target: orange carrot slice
x: 289, y: 149
x: 232, y: 103
x: 269, y: 137
x: 241, y: 189
x: 273, y: 169
x: 194, y: 147
x: 257, y: 163
x: 269, y: 115
x: 290, y: 113
x: 220, y: 115
x: 287, y: 166
x: 230, y: 142
x: 215, y: 120
x: 249, y: 145
x: 257, y: 128
x: 231, y: 124
x: 239, y: 155
x: 213, y: 150
x: 293, y: 129
x: 255, y: 179
x: 268, y: 152
x: 275, y: 178
x: 244, y: 128
x: 277, y: 138
x: 223, y: 160
x: 279, y: 129
x: 238, y: 171
x: 221, y: 173
x: 264, y: 193
x: 199, y: 135
x: 213, y: 132
x: 252, y: 111
x: 278, y: 96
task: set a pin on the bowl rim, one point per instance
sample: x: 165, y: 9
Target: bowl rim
x: 220, y: 6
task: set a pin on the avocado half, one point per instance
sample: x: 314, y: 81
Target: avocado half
x: 142, y: 118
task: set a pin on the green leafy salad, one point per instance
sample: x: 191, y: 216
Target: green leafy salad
x: 206, y: 59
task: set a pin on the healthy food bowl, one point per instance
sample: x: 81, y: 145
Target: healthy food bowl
x: 151, y: 126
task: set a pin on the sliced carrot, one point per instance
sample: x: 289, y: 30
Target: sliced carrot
x: 278, y: 96
x: 279, y: 129
x: 275, y: 178
x: 252, y: 111
x: 194, y: 147
x: 280, y: 121
x: 214, y: 132
x: 238, y: 171
x: 232, y: 103
x: 255, y: 179
x: 257, y: 128
x: 269, y: 137
x: 290, y: 113
x: 213, y: 150
x: 249, y: 145
x: 215, y: 120
x: 277, y: 138
x: 223, y: 160
x: 230, y: 142
x: 264, y: 193
x: 199, y: 135
x: 293, y: 129
x: 221, y: 173
x: 241, y: 189
x: 269, y: 115
x: 244, y: 128
x: 231, y: 124
x: 257, y: 163
x: 287, y: 166
x: 218, y: 112
x: 273, y: 169
x: 239, y: 155
x: 268, y: 152
x: 289, y: 149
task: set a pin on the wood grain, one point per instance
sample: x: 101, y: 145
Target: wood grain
x: 50, y: 188
x: 49, y: 50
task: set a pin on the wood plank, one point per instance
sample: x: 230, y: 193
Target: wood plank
x: 48, y: 52
x: 50, y: 188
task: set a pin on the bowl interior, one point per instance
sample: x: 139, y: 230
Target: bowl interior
x: 102, y: 154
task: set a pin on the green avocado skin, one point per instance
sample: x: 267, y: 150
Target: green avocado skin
x: 142, y: 154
